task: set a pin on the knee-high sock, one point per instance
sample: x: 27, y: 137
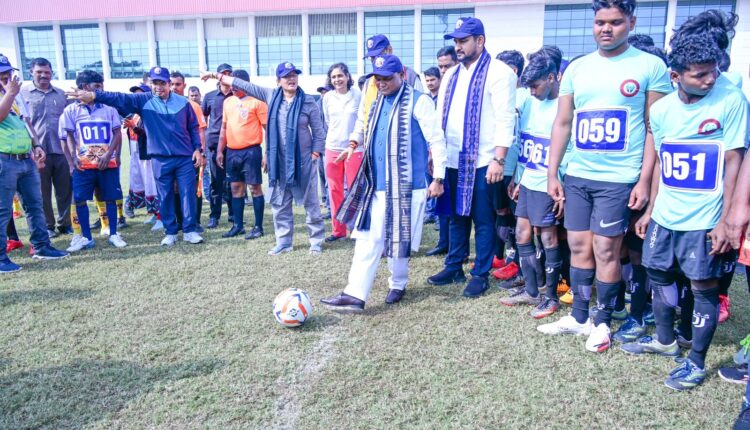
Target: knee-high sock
x: 606, y: 296
x: 83, y: 220
x: 620, y: 298
x: 74, y: 219
x: 101, y: 207
x: 638, y: 292
x: 198, y: 210
x: 11, y: 230
x: 705, y: 319
x: 259, y: 203
x: 238, y: 209
x: 120, y: 214
x: 111, y: 208
x: 728, y: 266
x: 530, y: 267
x: 687, y: 304
x: 563, y: 245
x: 664, y: 303
x: 581, y: 282
x: 552, y: 266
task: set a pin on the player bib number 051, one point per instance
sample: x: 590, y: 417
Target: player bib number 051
x: 691, y: 166
x: 602, y: 130
x: 537, y: 151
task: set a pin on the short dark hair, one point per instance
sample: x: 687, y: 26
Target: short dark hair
x: 88, y: 77
x: 693, y: 49
x: 194, y: 88
x: 512, y: 58
x: 177, y: 74
x: 626, y: 6
x: 541, y: 63
x: 41, y: 62
x: 432, y: 71
x: 361, y: 81
x: 718, y: 24
x: 639, y: 40
x: 653, y: 50
x: 449, y: 50
x: 242, y: 74
x: 345, y: 70
x: 724, y: 61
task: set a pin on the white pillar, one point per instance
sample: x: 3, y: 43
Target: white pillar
x: 104, y: 48
x: 201, y: 35
x: 671, y: 20
x: 151, y: 38
x: 56, y: 32
x: 360, y: 42
x: 253, y: 44
x: 418, y: 39
x: 306, y: 43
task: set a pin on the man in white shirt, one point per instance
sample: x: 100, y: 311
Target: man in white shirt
x: 477, y: 102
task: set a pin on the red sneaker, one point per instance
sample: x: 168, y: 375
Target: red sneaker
x: 498, y: 263
x: 508, y: 271
x: 723, y: 308
x: 12, y: 244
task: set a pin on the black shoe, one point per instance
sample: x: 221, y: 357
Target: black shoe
x: 333, y: 238
x: 49, y: 252
x: 234, y: 231
x: 743, y: 420
x: 436, y: 251
x: 255, y: 233
x: 65, y: 230
x: 343, y: 303
x: 476, y: 287
x: 394, y: 296
x: 212, y: 223
x: 447, y: 276
x: 734, y: 374
x: 199, y: 229
x: 121, y: 223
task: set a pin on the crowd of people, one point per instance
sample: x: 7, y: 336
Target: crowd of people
x: 620, y: 172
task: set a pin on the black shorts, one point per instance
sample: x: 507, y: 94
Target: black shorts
x: 667, y: 250
x: 244, y: 165
x: 535, y: 206
x: 597, y: 206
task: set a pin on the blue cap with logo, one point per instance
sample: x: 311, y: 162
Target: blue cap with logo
x: 386, y: 65
x: 466, y: 27
x: 376, y: 44
x: 5, y: 64
x: 286, y: 68
x: 159, y: 74
x: 141, y: 87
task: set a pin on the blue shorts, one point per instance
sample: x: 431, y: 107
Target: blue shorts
x: 108, y: 182
x: 668, y: 251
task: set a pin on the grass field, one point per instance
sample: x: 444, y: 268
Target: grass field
x: 184, y: 338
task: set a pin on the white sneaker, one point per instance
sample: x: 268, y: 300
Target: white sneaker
x: 566, y: 325
x: 117, y: 241
x: 192, y: 237
x: 151, y: 219
x: 169, y: 240
x: 158, y: 226
x: 79, y: 242
x: 599, y: 339
x: 104, y: 231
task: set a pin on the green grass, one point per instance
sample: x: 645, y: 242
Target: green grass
x: 148, y: 337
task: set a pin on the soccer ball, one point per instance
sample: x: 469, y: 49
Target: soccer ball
x: 292, y: 307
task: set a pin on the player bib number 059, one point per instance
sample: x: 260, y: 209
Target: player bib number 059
x: 538, y: 151
x: 602, y: 130
x: 691, y: 166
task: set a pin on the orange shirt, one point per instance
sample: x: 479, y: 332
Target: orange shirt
x: 199, y: 113
x: 244, y: 119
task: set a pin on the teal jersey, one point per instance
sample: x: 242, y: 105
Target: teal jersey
x: 609, y: 95
x: 537, y: 118
x: 691, y: 140
x: 512, y: 163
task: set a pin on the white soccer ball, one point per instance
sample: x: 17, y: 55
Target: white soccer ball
x: 292, y: 307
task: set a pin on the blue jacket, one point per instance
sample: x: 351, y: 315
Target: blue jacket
x: 171, y: 125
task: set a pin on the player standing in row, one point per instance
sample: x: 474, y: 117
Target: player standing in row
x: 604, y: 100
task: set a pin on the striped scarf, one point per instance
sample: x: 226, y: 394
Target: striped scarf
x: 398, y: 179
x: 467, y: 158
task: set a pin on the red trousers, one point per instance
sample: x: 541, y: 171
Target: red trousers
x: 335, y: 175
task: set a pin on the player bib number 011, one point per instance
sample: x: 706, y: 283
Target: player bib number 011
x: 538, y: 151
x: 94, y: 139
x: 602, y: 130
x: 691, y: 166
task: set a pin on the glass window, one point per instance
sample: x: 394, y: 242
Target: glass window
x: 128, y: 59
x: 178, y: 56
x: 435, y: 24
x: 231, y: 51
x: 333, y: 39
x: 688, y: 8
x: 36, y: 42
x: 399, y: 27
x: 81, y: 49
x: 279, y: 40
x: 569, y: 27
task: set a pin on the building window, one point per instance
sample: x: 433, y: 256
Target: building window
x: 399, y: 27
x: 178, y: 56
x: 128, y: 59
x: 436, y: 24
x: 81, y: 49
x: 333, y: 39
x: 231, y: 51
x: 36, y: 42
x: 569, y: 26
x: 279, y: 40
x: 688, y: 8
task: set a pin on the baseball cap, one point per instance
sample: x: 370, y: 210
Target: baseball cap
x: 143, y: 87
x: 224, y: 67
x: 325, y: 88
x: 376, y: 44
x: 159, y: 74
x: 386, y: 65
x: 466, y: 27
x: 5, y: 64
x: 286, y: 68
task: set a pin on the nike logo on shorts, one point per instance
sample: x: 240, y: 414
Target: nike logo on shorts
x: 602, y: 224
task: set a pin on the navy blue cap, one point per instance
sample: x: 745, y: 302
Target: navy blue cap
x: 5, y: 64
x: 284, y: 69
x: 325, y: 88
x: 224, y: 67
x: 376, y: 44
x: 143, y: 87
x: 159, y: 74
x: 386, y: 65
x: 466, y: 27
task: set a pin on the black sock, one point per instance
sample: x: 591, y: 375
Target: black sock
x: 581, y: 282
x: 540, y: 259
x: 606, y: 296
x: 198, y: 210
x: 687, y: 303
x: 11, y: 230
x: 620, y: 299
x: 259, y: 204
x: 728, y: 266
x: 238, y: 209
x: 529, y: 267
x: 638, y: 293
x: 552, y: 266
x: 705, y: 319
x: 664, y: 302
x: 563, y: 245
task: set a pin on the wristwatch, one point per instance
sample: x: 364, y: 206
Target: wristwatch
x: 499, y: 161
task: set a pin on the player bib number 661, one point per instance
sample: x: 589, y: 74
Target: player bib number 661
x: 691, y: 166
x: 601, y: 130
x: 537, y: 157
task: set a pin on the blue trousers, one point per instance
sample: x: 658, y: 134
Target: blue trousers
x: 483, y: 215
x: 21, y: 176
x: 167, y: 170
